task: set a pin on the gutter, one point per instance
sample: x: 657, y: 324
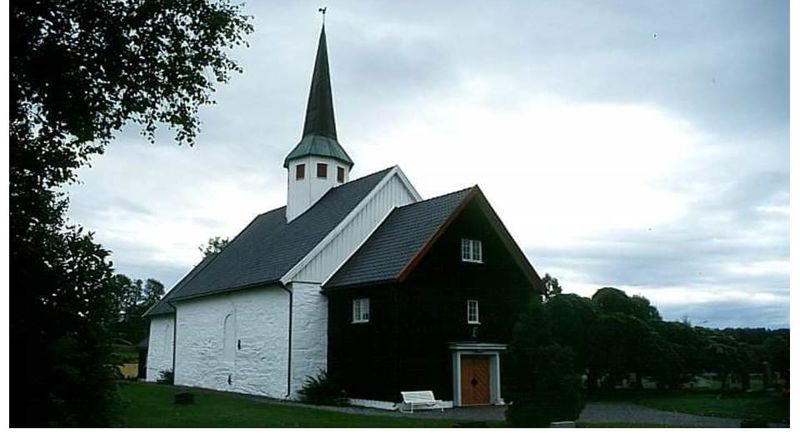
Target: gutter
x: 174, y: 337
x: 289, y: 358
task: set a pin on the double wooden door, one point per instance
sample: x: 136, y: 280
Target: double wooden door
x: 475, y: 388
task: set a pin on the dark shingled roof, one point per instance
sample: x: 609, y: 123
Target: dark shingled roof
x: 392, y: 246
x: 268, y: 247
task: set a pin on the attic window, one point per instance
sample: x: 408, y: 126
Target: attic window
x: 472, y: 312
x: 360, y: 311
x: 300, y: 171
x: 471, y: 251
x: 322, y: 170
x: 339, y: 174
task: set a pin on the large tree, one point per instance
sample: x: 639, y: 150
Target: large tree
x: 80, y: 71
x: 541, y: 382
x: 134, y: 297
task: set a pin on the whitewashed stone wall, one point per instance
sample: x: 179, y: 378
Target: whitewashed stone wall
x: 310, y: 333
x: 259, y: 320
x: 159, y: 349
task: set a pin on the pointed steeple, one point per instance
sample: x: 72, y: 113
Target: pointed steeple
x: 319, y: 113
x: 319, y: 132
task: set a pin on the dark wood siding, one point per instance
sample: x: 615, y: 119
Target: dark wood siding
x: 405, y: 344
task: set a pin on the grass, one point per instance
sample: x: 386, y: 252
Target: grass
x: 745, y: 406
x: 152, y: 406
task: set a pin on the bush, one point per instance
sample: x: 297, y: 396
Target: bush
x: 543, y: 386
x: 166, y: 377
x: 322, y: 391
x: 552, y: 393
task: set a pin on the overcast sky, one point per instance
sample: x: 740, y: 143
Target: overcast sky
x: 641, y: 145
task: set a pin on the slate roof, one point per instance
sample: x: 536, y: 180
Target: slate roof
x: 268, y: 247
x: 392, y: 246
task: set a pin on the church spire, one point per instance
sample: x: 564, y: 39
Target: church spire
x: 319, y: 112
x: 319, y: 132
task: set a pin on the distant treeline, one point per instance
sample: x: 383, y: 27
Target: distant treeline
x: 614, y: 336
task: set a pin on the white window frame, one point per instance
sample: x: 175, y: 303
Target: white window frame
x: 471, y: 251
x: 360, y: 311
x: 477, y: 319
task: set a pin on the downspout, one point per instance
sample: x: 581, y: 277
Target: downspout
x: 174, y: 336
x: 289, y: 362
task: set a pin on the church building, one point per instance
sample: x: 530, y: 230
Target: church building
x: 362, y: 278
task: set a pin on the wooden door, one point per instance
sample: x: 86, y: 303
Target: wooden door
x: 475, y: 389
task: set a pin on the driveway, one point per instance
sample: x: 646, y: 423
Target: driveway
x: 619, y: 412
x: 594, y: 412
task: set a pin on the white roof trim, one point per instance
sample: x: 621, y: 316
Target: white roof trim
x: 291, y: 273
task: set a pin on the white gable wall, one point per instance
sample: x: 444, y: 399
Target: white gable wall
x: 393, y: 193
x: 257, y: 318
x: 159, y: 348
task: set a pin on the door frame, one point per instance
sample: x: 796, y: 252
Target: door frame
x: 489, y: 350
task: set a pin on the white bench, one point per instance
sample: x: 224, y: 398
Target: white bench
x: 420, y: 399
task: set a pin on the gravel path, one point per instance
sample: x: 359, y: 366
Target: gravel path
x: 593, y: 412
x: 602, y: 412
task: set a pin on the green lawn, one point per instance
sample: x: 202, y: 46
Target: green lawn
x: 745, y: 406
x: 152, y: 406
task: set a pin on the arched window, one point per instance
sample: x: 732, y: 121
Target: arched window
x: 229, y: 341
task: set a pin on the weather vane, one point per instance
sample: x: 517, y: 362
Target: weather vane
x: 323, y: 10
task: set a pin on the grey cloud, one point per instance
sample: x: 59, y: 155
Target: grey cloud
x: 730, y: 313
x: 722, y: 66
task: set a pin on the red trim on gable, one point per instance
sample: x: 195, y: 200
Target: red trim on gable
x: 497, y: 225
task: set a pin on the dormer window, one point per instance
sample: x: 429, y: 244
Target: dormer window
x: 471, y: 251
x: 300, y: 171
x: 339, y: 174
x: 322, y: 170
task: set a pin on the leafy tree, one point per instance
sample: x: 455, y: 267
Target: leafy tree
x: 213, y: 246
x: 612, y: 300
x: 134, y: 298
x: 551, y: 286
x: 722, y: 354
x: 776, y: 353
x: 543, y: 387
x: 620, y: 345
x: 572, y: 318
x: 79, y: 71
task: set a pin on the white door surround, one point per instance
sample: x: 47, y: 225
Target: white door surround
x: 490, y: 350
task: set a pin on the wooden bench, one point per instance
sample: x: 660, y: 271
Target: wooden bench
x: 421, y: 399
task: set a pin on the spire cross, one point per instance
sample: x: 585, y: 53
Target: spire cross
x: 323, y: 10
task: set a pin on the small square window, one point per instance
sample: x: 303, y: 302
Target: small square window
x: 322, y: 170
x: 471, y: 251
x: 300, y: 171
x: 473, y: 316
x: 360, y: 311
x: 339, y: 174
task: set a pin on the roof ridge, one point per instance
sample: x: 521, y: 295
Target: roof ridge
x: 440, y: 196
x: 362, y: 177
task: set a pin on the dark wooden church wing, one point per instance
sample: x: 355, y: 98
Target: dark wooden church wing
x: 405, y: 346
